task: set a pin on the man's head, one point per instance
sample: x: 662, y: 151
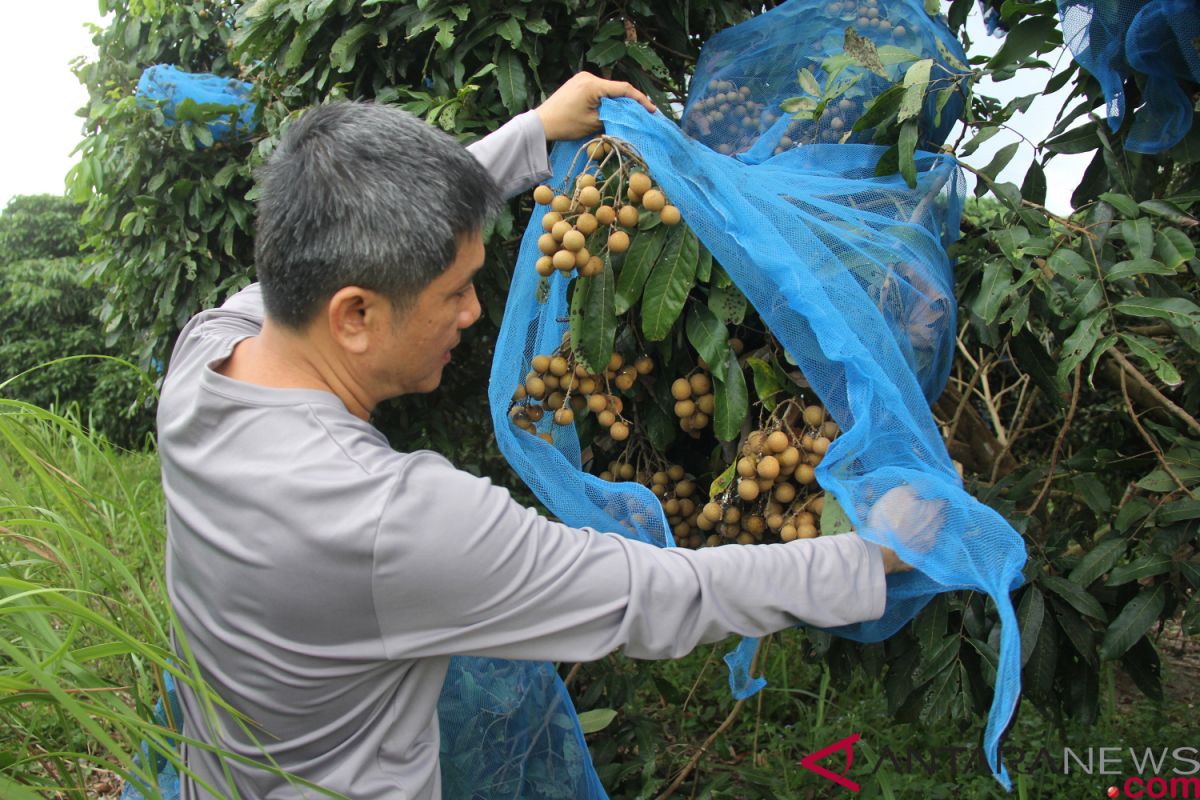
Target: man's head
x: 364, y: 211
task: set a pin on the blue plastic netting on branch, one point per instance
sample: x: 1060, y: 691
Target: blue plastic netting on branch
x: 201, y: 98
x: 849, y: 272
x: 1154, y: 40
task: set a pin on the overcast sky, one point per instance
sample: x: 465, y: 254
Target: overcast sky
x: 40, y: 129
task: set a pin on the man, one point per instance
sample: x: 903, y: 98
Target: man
x: 323, y: 580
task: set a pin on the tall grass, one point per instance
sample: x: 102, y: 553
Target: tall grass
x: 85, y: 624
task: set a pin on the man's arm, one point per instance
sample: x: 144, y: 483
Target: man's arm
x: 461, y: 568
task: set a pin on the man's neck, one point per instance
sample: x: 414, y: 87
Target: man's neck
x: 281, y: 360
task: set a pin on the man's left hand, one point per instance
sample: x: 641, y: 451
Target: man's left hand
x: 574, y: 110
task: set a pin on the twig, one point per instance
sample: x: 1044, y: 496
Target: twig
x: 1066, y: 223
x: 1016, y: 433
x: 1137, y: 375
x: 766, y: 647
x: 1062, y: 434
x: 1149, y: 439
x: 703, y: 749
x: 572, y: 673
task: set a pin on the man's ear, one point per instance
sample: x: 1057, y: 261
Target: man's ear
x: 354, y: 316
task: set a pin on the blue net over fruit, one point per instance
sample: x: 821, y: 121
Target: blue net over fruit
x: 205, y: 99
x: 1152, y: 42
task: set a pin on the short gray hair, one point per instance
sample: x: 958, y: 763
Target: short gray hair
x: 359, y: 194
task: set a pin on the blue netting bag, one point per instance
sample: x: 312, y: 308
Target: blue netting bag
x: 1154, y: 39
x: 204, y: 99
x: 167, y: 777
x: 848, y: 271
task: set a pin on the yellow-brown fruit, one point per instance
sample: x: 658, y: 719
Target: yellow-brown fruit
x: 548, y: 244
x: 627, y: 472
x: 670, y: 215
x: 585, y: 180
x: 618, y: 241
x: 564, y: 260
x: 555, y: 401
x: 596, y: 403
x: 706, y: 403
x: 550, y: 219
x: 628, y: 216
x: 545, y: 266
x: 745, y: 538
x: 614, y: 362
x: 564, y: 416
x: 568, y: 382
x: 788, y: 533
x: 616, y: 403
x: 561, y: 203
x: 700, y: 384
x: 789, y: 458
x: 573, y: 240
x: 606, y: 476
x: 551, y: 381
x: 625, y: 380
x: 586, y: 224
x: 640, y: 182
x: 765, y: 484
x: 684, y: 408
x: 519, y: 394
x: 660, y: 478
x: 558, y: 366
x: 813, y: 416
x: 671, y: 507
x: 644, y: 365
x: 606, y: 418
x: 699, y: 420
x: 534, y: 412
x: 561, y: 229
x: 632, y: 196
x: 829, y: 430
x: 768, y: 468
x: 712, y: 541
x: 733, y: 515
x: 820, y: 445
x: 593, y: 267
x: 606, y: 215
x: 737, y: 346
x: 748, y: 489
x: 681, y: 389
x: 653, y: 200
x: 806, y: 532
x: 597, y: 150
x: 543, y: 195
x: 805, y: 474
x: 755, y: 525
x: 582, y: 257
x: 685, y: 489
x: 536, y: 388
x: 775, y: 521
x: 747, y: 467
x: 589, y: 197
x: 619, y: 431
x: 675, y: 472
x: 754, y: 442
x: 546, y: 437
x: 785, y: 493
x: 806, y: 518
x: 704, y: 523
x: 713, y: 511
x: 777, y: 442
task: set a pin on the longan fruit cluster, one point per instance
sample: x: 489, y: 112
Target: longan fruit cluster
x: 727, y: 112
x: 566, y: 387
x: 870, y: 18
x: 694, y: 401
x: 596, y: 204
x: 676, y: 492
x: 836, y: 120
x: 774, y: 495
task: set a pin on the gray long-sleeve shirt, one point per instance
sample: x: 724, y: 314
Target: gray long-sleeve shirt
x: 323, y: 580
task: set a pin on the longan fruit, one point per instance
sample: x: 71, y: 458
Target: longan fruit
x: 806, y: 518
x: 829, y: 430
x: 627, y: 472
x: 551, y: 381
x: 644, y: 365
x: 564, y: 260
x: 660, y: 477
x: 813, y: 416
x: 535, y: 412
x: 699, y: 420
x: 597, y: 150
x: 747, y: 467
x: 536, y: 388
x: 733, y: 515
x: 546, y: 437
x: 568, y: 382
x: 675, y: 472
x: 606, y: 419
x: 561, y: 229
x: 686, y: 426
x: 548, y: 244
x: 593, y: 267
x: 765, y: 484
x: 817, y: 504
x: 519, y: 393
x: 658, y: 491
x: 775, y: 521
x: 640, y: 182
x: 777, y: 442
x: 618, y: 241
x: 748, y: 489
x: 543, y: 195
x: 820, y: 445
x: 606, y: 215
x: 550, y: 219
x: 671, y: 507
x: 596, y: 403
x: 707, y: 403
x: 564, y: 416
x: 681, y: 389
x: 755, y: 525
x: 555, y: 401
x: 754, y: 442
x: 654, y: 200
x: 540, y: 363
x: 589, y: 197
x: 628, y: 216
x: 700, y: 384
x: 788, y: 533
x: 561, y: 203
x: 745, y: 538
x: 805, y: 474
x: 704, y: 523
x: 616, y: 403
x: 633, y: 197
x: 713, y: 511
x: 545, y: 266
x: 806, y: 532
x: 586, y: 224
x: 573, y: 240
x: 768, y: 468
x: 619, y: 431
x: 789, y: 458
x: 585, y: 180
x: 559, y: 366
x: 670, y: 215
x: 685, y: 489
x: 785, y: 493
x: 684, y: 408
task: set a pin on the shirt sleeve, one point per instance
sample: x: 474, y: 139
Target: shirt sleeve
x: 515, y: 154
x: 462, y: 569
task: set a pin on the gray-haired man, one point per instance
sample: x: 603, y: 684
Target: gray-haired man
x: 322, y: 579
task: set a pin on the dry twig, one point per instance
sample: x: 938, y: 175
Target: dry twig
x: 1062, y: 434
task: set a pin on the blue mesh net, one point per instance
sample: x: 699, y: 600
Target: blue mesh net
x: 208, y: 100
x: 167, y: 783
x: 848, y: 271
x: 1154, y: 40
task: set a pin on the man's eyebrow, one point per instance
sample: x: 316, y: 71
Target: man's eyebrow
x: 471, y: 278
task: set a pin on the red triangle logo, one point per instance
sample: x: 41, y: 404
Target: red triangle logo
x: 809, y: 762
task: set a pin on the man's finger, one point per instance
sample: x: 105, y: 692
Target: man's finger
x: 624, y: 89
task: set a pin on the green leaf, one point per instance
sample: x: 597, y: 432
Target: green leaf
x: 669, y: 283
x: 596, y: 720
x: 593, y: 320
x: 1173, y: 247
x: 1030, y: 615
x: 863, y: 50
x: 808, y: 83
x: 1132, y: 623
x: 1134, y: 510
x: 978, y: 139
x: 936, y: 658
x: 732, y: 399
x: 728, y: 303
x: 994, y: 290
x: 1152, y: 353
x: 647, y: 59
x: 1097, y: 561
x: 722, y: 482
x: 1093, y: 492
x: 833, y: 517
x: 1082, y: 139
x: 606, y: 52
x: 510, y: 31
x: 1123, y: 203
x: 1023, y: 39
x: 1033, y: 188
x: 880, y: 109
x: 1147, y: 566
x: 1180, y: 313
x: 766, y: 382
x: 1040, y: 669
x: 1168, y: 211
x: 1000, y: 161
x: 907, y: 147
x: 345, y: 50
x: 1177, y: 511
x: 916, y: 81
x: 704, y: 265
x: 1137, y: 266
x: 1077, y: 596
x: 1139, y: 237
x: 1079, y: 344
x: 707, y: 334
x: 510, y: 77
x: 643, y: 254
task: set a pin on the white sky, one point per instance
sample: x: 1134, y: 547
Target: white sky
x: 39, y: 39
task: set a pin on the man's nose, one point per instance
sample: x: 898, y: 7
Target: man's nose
x: 472, y: 312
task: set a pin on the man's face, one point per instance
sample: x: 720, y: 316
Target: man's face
x: 417, y: 347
